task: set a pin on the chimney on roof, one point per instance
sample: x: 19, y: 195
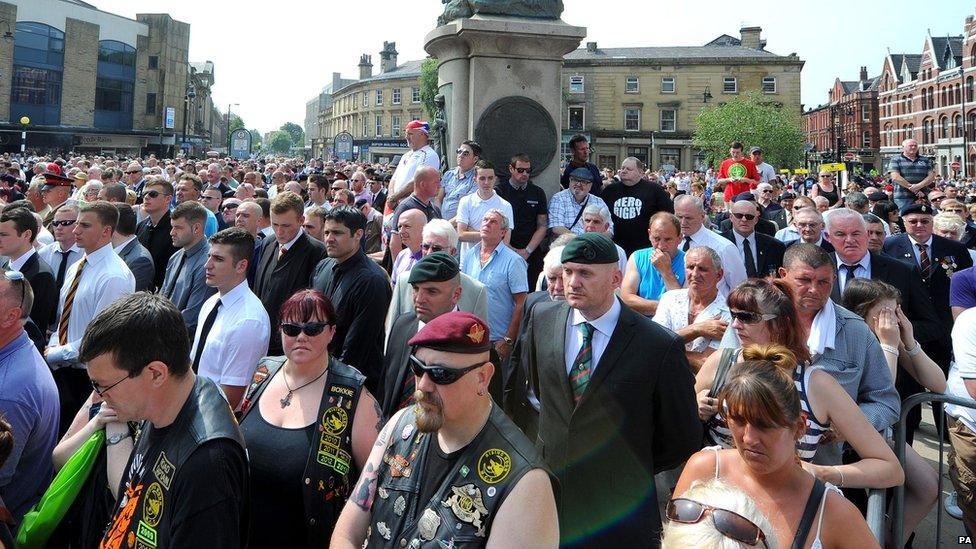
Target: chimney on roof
x: 864, y: 74
x: 365, y: 67
x: 388, y: 57
x: 749, y: 37
x: 336, y: 81
x: 591, y: 47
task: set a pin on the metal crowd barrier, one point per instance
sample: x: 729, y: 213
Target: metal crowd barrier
x: 898, y: 503
x: 876, y: 506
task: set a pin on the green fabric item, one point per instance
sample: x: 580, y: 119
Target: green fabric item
x: 40, y: 522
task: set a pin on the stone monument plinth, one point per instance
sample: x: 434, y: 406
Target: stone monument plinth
x: 500, y: 77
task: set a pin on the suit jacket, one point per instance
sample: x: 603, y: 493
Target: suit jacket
x: 827, y: 247
x: 515, y: 401
x: 638, y: 416
x: 764, y: 226
x: 373, y: 235
x: 395, y: 367
x: 777, y: 216
x: 769, y: 252
x: 157, y: 240
x: 45, y: 287
x: 276, y: 281
x: 944, y: 252
x: 474, y: 299
x: 379, y: 202
x: 140, y: 262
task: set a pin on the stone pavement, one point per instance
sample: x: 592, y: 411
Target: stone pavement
x: 927, y: 445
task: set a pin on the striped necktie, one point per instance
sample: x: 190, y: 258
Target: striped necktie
x: 579, y: 374
x: 69, y: 301
x: 923, y: 261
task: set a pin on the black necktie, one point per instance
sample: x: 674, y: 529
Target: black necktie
x: 204, y: 332
x: 850, y: 274
x: 687, y: 244
x: 172, y: 283
x: 750, y: 260
x: 62, y: 268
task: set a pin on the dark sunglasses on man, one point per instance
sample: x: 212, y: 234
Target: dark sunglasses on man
x: 747, y: 217
x: 729, y: 524
x: 438, y: 373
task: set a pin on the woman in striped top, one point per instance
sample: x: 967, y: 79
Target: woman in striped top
x: 763, y: 313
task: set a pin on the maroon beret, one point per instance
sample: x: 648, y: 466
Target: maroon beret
x: 454, y: 332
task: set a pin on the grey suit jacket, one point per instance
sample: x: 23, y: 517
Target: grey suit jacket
x: 140, y: 262
x: 474, y: 299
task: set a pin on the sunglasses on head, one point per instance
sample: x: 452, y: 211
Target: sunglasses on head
x: 747, y: 317
x: 63, y: 222
x: 747, y: 217
x: 311, y: 329
x: 728, y: 523
x: 439, y: 374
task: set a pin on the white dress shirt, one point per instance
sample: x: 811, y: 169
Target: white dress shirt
x: 732, y: 264
x: 742, y: 251
x: 105, y: 278
x: 52, y: 254
x: 17, y: 264
x: 602, y: 330
x: 672, y: 313
x: 863, y: 270
x: 237, y: 340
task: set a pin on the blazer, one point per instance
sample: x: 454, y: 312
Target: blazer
x: 945, y: 252
x: 140, y: 262
x: 637, y: 417
x: 515, y: 399
x: 769, y: 252
x: 157, y: 240
x: 474, y: 299
x: 276, y: 281
x: 764, y: 226
x: 42, y: 280
x: 777, y: 216
x: 395, y: 366
x: 827, y: 246
x: 373, y: 236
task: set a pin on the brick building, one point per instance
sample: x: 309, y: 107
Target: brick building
x: 847, y: 123
x: 94, y: 81
x: 928, y: 96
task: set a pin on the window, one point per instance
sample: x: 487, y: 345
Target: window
x: 730, y: 85
x: 396, y: 96
x: 36, y: 86
x: 866, y: 140
x: 117, y: 53
x: 670, y: 158
x: 640, y: 153
x: 150, y: 103
x: 379, y: 97
x: 957, y: 126
x: 944, y: 127
x: 632, y: 85
x: 415, y: 95
x: 379, y: 125
x: 632, y: 119
x: 365, y: 101
x: 365, y: 125
x: 153, y: 62
x: 575, y: 84
x: 667, y: 84
x: 769, y: 84
x: 865, y: 114
x: 395, y: 123
x: 669, y: 120
x: 577, y: 118
x: 40, y: 44
x: 113, y: 95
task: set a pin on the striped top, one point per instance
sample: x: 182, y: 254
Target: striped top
x: 718, y: 430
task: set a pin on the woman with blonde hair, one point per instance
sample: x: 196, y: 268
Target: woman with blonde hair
x: 714, y: 514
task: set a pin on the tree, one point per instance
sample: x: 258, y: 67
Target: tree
x: 235, y: 122
x: 755, y: 122
x: 294, y: 131
x: 428, y: 86
x: 280, y: 142
x: 255, y: 139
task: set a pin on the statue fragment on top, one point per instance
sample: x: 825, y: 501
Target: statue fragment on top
x: 538, y: 9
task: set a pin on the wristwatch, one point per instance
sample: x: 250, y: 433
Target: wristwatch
x: 508, y: 340
x: 116, y: 438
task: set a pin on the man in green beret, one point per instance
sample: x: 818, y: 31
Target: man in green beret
x: 616, y: 402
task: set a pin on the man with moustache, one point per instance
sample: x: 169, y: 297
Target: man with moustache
x: 453, y: 467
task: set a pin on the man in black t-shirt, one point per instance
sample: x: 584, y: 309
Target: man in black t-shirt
x: 426, y: 183
x: 580, y: 148
x: 531, y: 210
x: 632, y: 202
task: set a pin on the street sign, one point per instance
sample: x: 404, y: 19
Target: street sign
x: 343, y: 146
x: 803, y: 171
x: 835, y: 167
x: 240, y: 143
x: 170, y: 122
x: 955, y: 166
x: 849, y: 157
x: 784, y: 170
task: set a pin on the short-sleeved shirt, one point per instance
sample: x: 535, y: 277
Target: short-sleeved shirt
x: 964, y: 367
x: 505, y: 275
x: 672, y: 313
x: 409, y: 162
x: 737, y: 168
x: 913, y: 171
x: 962, y: 288
x: 472, y: 210
x: 565, y: 212
x: 413, y: 203
x: 455, y: 188
x: 651, y: 282
x: 528, y: 203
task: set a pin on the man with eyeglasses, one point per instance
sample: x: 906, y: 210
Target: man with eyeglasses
x: 153, y: 231
x: 459, y: 181
x: 566, y: 206
x: 810, y: 226
x: 911, y: 173
x: 134, y: 178
x: 64, y: 251
x: 935, y: 198
x: 18, y: 230
x: 761, y: 254
x: 211, y: 199
x: 455, y: 446
x: 28, y: 402
x: 55, y: 192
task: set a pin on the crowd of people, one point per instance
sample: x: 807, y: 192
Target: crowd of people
x: 281, y: 352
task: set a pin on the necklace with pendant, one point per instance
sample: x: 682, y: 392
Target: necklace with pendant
x: 286, y: 400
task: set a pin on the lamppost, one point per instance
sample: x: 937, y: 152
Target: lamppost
x: 836, y: 111
x: 190, y: 95
x: 24, y: 121
x: 229, y: 105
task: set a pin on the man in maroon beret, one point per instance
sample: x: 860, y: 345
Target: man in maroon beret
x: 453, y: 467
x: 54, y: 193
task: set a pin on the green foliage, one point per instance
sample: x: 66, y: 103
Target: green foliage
x: 295, y: 132
x: 255, y: 139
x: 235, y: 122
x: 756, y: 123
x: 428, y: 86
x: 280, y: 142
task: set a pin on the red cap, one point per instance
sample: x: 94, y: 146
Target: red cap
x: 454, y: 332
x: 419, y: 125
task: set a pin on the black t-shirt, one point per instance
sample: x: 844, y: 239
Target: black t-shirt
x: 527, y: 205
x: 436, y: 469
x: 413, y: 203
x: 631, y: 208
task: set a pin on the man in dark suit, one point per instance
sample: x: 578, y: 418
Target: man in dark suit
x: 153, y: 231
x: 287, y: 260
x: 762, y: 254
x: 18, y: 229
x: 761, y: 225
x: 616, y: 402
x: 783, y: 215
x: 135, y: 255
x: 810, y: 223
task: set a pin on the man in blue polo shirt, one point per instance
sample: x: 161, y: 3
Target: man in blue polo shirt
x: 911, y: 173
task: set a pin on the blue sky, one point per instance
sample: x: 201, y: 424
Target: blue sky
x: 272, y: 57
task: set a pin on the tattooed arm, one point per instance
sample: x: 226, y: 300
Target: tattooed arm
x: 365, y: 427
x: 350, y: 529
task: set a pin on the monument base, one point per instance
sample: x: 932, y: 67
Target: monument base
x: 500, y: 77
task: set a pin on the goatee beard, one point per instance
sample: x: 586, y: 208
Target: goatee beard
x: 431, y: 418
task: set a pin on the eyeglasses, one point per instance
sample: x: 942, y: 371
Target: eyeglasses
x: 827, y: 176
x: 336, y: 188
x: 311, y: 329
x: 936, y: 198
x: 63, y: 222
x: 580, y: 182
x: 17, y: 276
x: 439, y: 374
x: 747, y: 317
x: 153, y: 194
x: 462, y: 152
x: 101, y: 392
x: 134, y: 171
x: 797, y: 208
x: 432, y: 247
x: 764, y: 191
x: 522, y: 170
x: 923, y: 221
x: 813, y: 225
x: 728, y: 523
x: 747, y: 217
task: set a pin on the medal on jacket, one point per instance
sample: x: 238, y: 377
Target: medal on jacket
x: 428, y: 524
x: 467, y: 505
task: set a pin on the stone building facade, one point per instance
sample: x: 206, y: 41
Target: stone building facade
x: 846, y: 125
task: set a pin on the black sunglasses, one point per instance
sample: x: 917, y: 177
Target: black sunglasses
x: 134, y: 171
x: 728, y: 523
x: 747, y: 317
x: 311, y: 329
x: 747, y: 217
x: 439, y: 374
x: 153, y: 193
x: 63, y: 222
x: 228, y: 207
x: 522, y: 170
x: 101, y: 392
x: 433, y: 247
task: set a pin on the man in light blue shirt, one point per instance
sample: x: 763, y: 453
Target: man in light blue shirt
x: 504, y: 274
x: 459, y: 182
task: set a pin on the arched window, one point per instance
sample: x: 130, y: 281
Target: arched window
x: 38, y: 66
x: 957, y: 125
x: 944, y: 127
x: 926, y: 127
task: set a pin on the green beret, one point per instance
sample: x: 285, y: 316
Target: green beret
x: 590, y: 248
x: 436, y: 267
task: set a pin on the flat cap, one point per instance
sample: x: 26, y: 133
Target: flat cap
x: 755, y: 150
x: 581, y: 173
x: 590, y: 248
x: 917, y: 209
x: 436, y: 267
x: 787, y: 196
x: 454, y: 332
